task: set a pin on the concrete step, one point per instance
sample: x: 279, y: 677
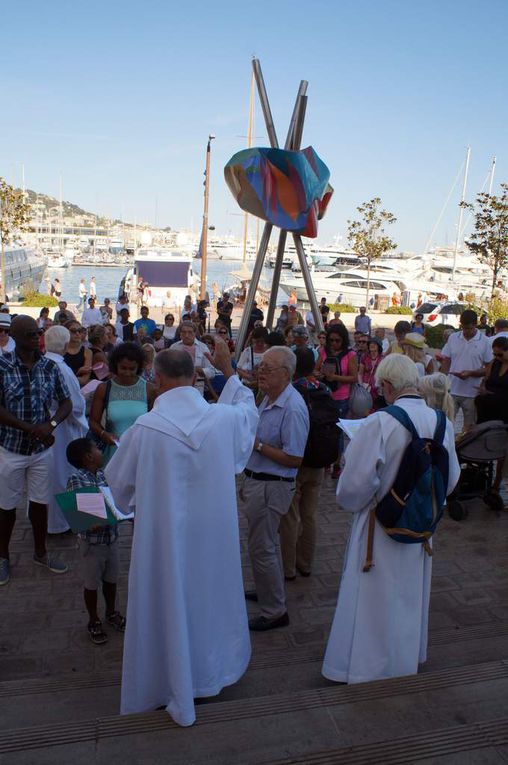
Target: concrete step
x: 477, y: 743
x: 271, y: 672
x: 317, y: 722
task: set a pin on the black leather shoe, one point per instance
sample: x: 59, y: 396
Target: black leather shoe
x: 302, y: 572
x: 251, y: 595
x: 261, y: 623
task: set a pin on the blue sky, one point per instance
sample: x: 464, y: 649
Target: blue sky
x: 119, y: 97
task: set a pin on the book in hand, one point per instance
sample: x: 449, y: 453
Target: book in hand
x: 83, y: 511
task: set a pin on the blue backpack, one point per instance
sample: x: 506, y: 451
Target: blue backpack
x: 413, y: 507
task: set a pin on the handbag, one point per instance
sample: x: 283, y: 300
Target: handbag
x: 360, y: 400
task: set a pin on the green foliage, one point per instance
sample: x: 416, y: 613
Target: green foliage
x: 496, y: 308
x: 434, y: 336
x: 38, y: 300
x: 489, y: 241
x: 403, y: 310
x: 342, y: 307
x: 15, y: 215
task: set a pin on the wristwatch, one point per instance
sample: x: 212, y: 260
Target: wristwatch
x: 53, y: 423
x: 259, y: 447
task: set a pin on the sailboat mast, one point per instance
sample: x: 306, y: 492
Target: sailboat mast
x: 461, y: 214
x: 60, y: 215
x: 249, y: 144
x: 492, y: 171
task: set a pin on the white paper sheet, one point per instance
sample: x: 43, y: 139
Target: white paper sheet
x: 93, y: 504
x: 350, y: 427
x: 106, y: 491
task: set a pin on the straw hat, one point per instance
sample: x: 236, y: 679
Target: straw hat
x: 415, y: 340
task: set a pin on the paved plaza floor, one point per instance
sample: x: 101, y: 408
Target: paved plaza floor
x: 60, y: 693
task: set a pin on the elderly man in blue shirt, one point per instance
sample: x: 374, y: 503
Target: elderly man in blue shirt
x: 269, y: 483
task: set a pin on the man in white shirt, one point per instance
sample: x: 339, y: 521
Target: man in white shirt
x: 464, y: 358
x: 380, y: 333
x: 500, y: 329
x: 91, y: 315
x: 93, y: 287
x: 198, y: 352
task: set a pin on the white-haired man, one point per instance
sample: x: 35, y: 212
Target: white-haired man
x: 74, y: 426
x: 270, y: 478
x: 380, y: 624
x: 187, y: 633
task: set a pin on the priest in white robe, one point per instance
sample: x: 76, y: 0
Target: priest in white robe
x: 381, y: 620
x: 74, y: 426
x: 187, y: 634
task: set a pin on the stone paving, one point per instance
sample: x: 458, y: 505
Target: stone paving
x: 43, y: 634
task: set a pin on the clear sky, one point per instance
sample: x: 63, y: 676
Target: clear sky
x: 119, y: 97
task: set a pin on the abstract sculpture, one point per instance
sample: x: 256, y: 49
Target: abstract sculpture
x: 289, y: 189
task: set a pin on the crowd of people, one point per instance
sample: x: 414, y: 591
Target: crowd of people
x: 165, y: 414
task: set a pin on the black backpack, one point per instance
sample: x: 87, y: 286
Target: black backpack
x: 322, y: 447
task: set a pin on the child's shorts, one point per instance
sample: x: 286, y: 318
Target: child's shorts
x: 102, y: 563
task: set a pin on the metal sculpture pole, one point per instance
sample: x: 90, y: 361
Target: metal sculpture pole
x: 267, y: 230
x: 291, y: 143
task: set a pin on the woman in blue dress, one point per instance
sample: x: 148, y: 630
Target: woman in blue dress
x: 118, y: 403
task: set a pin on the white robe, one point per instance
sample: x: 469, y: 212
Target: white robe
x: 187, y: 632
x: 74, y: 426
x: 381, y: 620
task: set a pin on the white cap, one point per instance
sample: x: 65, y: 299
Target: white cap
x: 5, y: 320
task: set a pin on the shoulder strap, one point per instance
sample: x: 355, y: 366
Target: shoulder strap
x: 106, y: 394
x: 402, y: 416
x: 440, y: 426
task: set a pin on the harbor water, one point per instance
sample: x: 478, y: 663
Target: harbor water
x: 108, y: 278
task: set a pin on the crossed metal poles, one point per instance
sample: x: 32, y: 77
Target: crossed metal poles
x: 293, y: 142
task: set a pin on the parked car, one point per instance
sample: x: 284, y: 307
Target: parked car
x: 442, y: 313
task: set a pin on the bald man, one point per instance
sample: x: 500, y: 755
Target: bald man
x: 28, y: 384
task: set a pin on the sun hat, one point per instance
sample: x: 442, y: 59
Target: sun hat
x: 415, y: 340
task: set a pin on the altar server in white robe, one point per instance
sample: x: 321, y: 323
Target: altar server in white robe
x: 74, y: 426
x: 381, y: 621
x: 187, y: 634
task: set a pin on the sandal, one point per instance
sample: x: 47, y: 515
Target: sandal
x: 117, y: 620
x: 97, y: 634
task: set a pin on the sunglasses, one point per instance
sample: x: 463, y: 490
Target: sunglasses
x: 4, y: 329
x: 498, y: 355
x: 222, y: 332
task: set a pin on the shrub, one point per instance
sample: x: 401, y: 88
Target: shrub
x: 402, y: 310
x: 434, y: 335
x: 37, y: 300
x: 496, y: 308
x: 342, y: 307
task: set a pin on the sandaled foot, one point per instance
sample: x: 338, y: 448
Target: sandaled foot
x: 117, y: 620
x: 97, y: 634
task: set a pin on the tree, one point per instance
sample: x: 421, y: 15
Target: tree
x: 489, y: 241
x: 367, y: 236
x: 15, y: 216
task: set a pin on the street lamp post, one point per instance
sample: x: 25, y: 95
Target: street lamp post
x: 204, y: 233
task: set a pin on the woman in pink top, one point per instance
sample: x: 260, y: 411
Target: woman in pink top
x: 338, y: 367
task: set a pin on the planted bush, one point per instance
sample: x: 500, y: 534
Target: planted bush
x: 400, y: 310
x: 38, y: 300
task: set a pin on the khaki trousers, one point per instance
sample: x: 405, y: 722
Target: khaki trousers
x: 298, y: 527
x: 264, y: 504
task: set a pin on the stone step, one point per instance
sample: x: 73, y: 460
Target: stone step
x: 318, y: 722
x: 481, y: 741
x: 271, y: 672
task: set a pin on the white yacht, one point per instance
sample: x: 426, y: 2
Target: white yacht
x: 341, y: 287
x: 24, y: 269
x: 168, y: 274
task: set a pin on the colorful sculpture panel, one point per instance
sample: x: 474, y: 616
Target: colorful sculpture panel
x: 289, y: 189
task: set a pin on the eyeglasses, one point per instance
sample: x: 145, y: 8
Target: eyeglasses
x: 75, y: 331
